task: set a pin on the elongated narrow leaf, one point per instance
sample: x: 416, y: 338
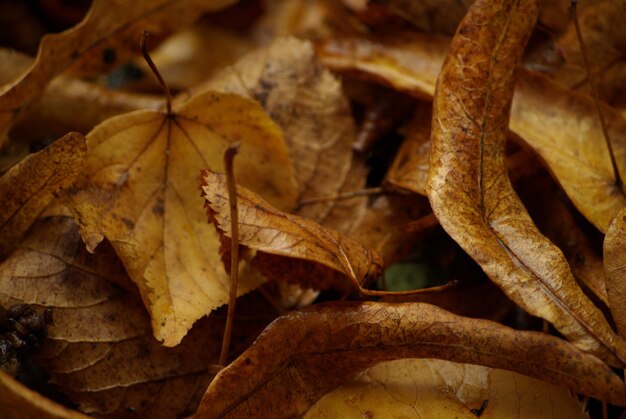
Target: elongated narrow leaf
x: 305, y: 354
x: 470, y: 191
x: 615, y: 270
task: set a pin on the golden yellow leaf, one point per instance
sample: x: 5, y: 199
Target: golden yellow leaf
x: 139, y: 189
x: 469, y: 189
x: 303, y: 355
x: 279, y: 237
x: 28, y: 187
x: 431, y: 388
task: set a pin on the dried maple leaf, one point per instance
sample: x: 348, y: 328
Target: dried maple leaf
x: 469, y: 189
x: 100, y: 350
x: 27, y: 188
x: 285, y: 236
x: 139, y: 190
x: 305, y: 354
x: 615, y: 269
x: 568, y: 138
x: 431, y: 388
x: 106, y: 26
x: 307, y: 102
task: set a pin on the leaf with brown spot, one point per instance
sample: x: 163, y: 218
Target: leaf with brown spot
x: 100, y: 350
x: 305, y: 354
x: 430, y: 388
x: 469, y: 189
x: 615, y: 269
x: 28, y: 187
x: 139, y: 190
x: 307, y: 102
x: 279, y: 237
x: 106, y: 25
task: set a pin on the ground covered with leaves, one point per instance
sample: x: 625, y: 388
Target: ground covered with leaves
x: 421, y: 202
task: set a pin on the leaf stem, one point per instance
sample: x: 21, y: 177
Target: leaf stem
x: 146, y: 56
x: 439, y: 288
x: 229, y: 157
x: 574, y: 16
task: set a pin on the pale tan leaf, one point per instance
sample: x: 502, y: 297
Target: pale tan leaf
x: 305, y: 354
x: 139, y: 189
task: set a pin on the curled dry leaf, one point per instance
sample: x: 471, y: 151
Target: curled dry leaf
x: 305, y: 354
x: 566, y: 133
x: 307, y: 102
x: 139, y: 190
x: 275, y: 233
x: 615, y: 270
x: 431, y: 388
x: 107, y: 26
x: 469, y: 189
x: 18, y: 401
x: 100, y: 350
x: 28, y: 187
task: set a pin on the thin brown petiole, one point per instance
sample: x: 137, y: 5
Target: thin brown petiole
x: 229, y: 156
x: 343, y: 195
x: 438, y: 288
x: 146, y: 56
x: 574, y: 16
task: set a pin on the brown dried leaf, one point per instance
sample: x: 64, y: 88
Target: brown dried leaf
x: 324, y: 346
x: 100, y: 349
x: 568, y: 137
x: 615, y: 270
x: 139, y: 190
x: 28, y: 187
x: 112, y: 26
x: 431, y: 388
x: 18, y: 401
x: 307, y: 102
x: 265, y: 229
x: 469, y: 189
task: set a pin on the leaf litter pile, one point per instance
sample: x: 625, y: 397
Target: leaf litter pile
x: 313, y: 208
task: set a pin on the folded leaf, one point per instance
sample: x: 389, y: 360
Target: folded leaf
x: 139, y: 190
x: 469, y: 189
x: 305, y: 354
x: 28, y: 187
x: 266, y: 229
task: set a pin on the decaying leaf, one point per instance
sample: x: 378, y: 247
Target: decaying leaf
x: 274, y: 233
x: 566, y: 132
x: 615, y: 269
x: 305, y: 354
x: 139, y: 190
x: 100, y: 350
x: 430, y: 388
x: 307, y: 102
x: 27, y: 188
x: 469, y: 189
x: 106, y: 26
x: 18, y: 401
